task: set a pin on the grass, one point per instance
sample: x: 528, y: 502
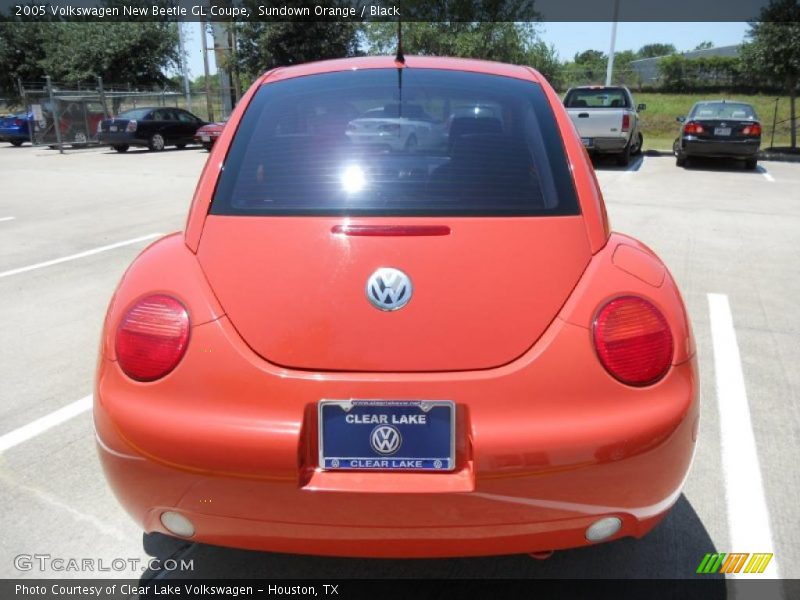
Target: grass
x: 660, y: 129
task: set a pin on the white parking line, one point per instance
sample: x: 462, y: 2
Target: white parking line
x: 6, y: 219
x: 766, y: 174
x: 748, y: 516
x: 34, y: 428
x: 63, y: 259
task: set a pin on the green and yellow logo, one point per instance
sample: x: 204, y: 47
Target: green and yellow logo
x: 735, y: 562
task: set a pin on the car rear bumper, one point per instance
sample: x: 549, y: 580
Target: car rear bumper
x: 229, y: 441
x: 10, y: 135
x: 607, y: 145
x: 720, y: 149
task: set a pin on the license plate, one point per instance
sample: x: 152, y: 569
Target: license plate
x: 385, y: 435
x: 722, y: 130
x: 588, y: 142
x: 112, y: 128
x: 205, y: 138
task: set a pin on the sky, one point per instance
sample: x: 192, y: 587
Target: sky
x: 567, y: 38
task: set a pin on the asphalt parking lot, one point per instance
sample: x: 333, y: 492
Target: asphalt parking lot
x: 71, y: 224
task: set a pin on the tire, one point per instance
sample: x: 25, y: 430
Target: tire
x: 750, y: 164
x: 17, y: 143
x: 122, y: 148
x: 207, y: 146
x: 624, y: 159
x: 157, y: 142
x: 80, y: 139
x: 639, y: 145
x: 180, y: 146
x: 680, y: 160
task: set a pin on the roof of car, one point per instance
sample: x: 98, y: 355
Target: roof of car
x: 411, y: 62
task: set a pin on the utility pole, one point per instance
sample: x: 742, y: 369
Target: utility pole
x: 184, y: 69
x: 610, y: 68
x: 209, y: 104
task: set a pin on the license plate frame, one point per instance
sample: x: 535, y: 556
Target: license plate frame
x: 113, y: 128
x: 587, y: 142
x: 722, y: 131
x: 357, y: 447
x: 205, y: 138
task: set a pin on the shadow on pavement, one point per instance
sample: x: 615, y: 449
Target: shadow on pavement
x: 672, y: 551
x: 609, y: 163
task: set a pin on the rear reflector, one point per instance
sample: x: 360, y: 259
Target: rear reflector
x: 152, y: 337
x: 633, y: 340
x: 626, y: 122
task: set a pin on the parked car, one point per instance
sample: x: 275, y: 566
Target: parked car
x: 16, y: 129
x: 357, y: 352
x: 399, y: 127
x: 208, y: 134
x: 154, y: 127
x: 719, y: 129
x: 607, y: 120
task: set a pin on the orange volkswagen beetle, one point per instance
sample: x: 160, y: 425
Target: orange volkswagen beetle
x: 397, y: 325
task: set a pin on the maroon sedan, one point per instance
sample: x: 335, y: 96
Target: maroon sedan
x: 208, y: 134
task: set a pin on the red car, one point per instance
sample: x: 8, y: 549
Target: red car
x: 380, y: 350
x: 208, y: 134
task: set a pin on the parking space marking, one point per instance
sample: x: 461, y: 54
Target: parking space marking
x: 42, y: 424
x: 748, y: 516
x: 63, y: 259
x: 766, y: 174
x: 6, y: 219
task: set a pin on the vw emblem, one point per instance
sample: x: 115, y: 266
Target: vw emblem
x: 389, y: 289
x: 385, y: 439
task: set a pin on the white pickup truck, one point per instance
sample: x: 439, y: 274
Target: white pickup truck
x: 606, y: 120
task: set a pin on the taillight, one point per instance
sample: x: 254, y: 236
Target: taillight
x: 389, y: 128
x: 152, y: 337
x: 131, y: 126
x: 18, y: 122
x: 626, y: 122
x: 633, y: 340
x: 754, y: 129
x: 692, y: 128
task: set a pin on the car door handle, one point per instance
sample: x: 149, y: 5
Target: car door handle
x: 583, y: 115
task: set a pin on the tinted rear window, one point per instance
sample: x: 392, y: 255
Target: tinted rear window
x: 723, y: 110
x: 397, y: 142
x: 136, y: 113
x: 597, y: 98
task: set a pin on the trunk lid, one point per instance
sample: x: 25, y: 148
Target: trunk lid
x: 482, y: 295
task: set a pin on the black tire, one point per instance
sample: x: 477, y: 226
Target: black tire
x: 638, y: 150
x: 624, y: 159
x: 121, y: 148
x: 751, y: 163
x: 80, y: 139
x: 207, y: 146
x: 157, y: 142
x: 680, y: 160
x: 17, y: 143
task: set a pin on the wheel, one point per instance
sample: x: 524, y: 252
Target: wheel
x: 180, y: 146
x: 156, y: 142
x: 411, y: 143
x: 80, y: 139
x: 680, y: 160
x: 751, y: 163
x: 17, y: 143
x: 640, y: 142
x: 207, y: 146
x: 122, y: 148
x: 624, y: 159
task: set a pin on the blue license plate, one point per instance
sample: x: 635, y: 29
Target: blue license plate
x: 387, y: 435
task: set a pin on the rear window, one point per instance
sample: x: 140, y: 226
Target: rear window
x: 724, y: 110
x: 136, y: 113
x: 397, y: 142
x: 597, y: 98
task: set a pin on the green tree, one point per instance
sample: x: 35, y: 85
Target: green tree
x: 653, y: 50
x: 773, y: 53
x: 704, y: 45
x: 138, y: 54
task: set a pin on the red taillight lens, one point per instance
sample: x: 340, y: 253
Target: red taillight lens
x: 754, y: 129
x: 692, y: 128
x: 131, y: 126
x: 18, y: 122
x: 152, y: 337
x: 633, y: 340
x: 626, y: 122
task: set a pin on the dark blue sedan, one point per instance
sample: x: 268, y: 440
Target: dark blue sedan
x: 16, y: 128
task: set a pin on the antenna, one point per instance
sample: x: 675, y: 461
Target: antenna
x: 399, y: 56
